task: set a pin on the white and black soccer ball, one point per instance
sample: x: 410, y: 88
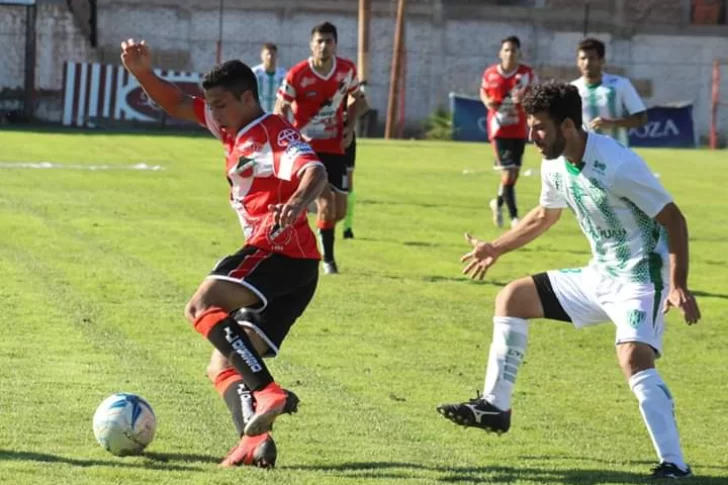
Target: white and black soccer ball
x: 124, y: 424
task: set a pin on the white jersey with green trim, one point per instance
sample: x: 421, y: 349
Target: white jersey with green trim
x: 268, y: 84
x: 614, y: 98
x: 615, y: 197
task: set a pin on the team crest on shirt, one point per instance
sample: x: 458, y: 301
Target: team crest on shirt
x: 307, y: 81
x: 245, y: 167
x: 635, y: 318
x: 277, y: 237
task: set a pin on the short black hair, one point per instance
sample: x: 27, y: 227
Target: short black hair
x: 559, y: 99
x: 234, y: 76
x: 270, y: 46
x: 513, y: 40
x: 592, y: 44
x: 326, y: 28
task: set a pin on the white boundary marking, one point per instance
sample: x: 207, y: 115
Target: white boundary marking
x: 50, y: 165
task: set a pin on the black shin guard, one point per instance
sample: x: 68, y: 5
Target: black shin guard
x: 230, y: 339
x: 239, y: 401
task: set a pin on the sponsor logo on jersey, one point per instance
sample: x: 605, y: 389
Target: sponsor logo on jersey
x: 599, y: 166
x: 307, y: 81
x: 296, y: 148
x: 287, y: 136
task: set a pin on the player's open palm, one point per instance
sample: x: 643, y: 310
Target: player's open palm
x: 684, y: 300
x: 135, y: 56
x: 480, y: 259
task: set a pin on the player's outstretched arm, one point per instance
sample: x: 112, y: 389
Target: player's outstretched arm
x: 137, y: 60
x: 672, y: 219
x: 536, y: 222
x: 485, y: 254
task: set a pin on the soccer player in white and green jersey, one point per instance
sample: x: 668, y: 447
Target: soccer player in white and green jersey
x: 269, y: 76
x: 634, y: 229
x: 610, y: 104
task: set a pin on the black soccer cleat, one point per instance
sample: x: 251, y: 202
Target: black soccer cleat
x: 348, y: 234
x: 667, y: 470
x: 477, y: 413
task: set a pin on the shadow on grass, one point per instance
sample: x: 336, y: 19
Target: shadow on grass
x: 154, y: 461
x: 707, y: 294
x: 494, y: 474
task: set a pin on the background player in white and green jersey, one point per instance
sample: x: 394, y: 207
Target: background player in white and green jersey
x: 269, y: 76
x: 610, y: 104
x: 634, y: 229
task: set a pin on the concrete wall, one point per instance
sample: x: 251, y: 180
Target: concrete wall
x: 444, y: 52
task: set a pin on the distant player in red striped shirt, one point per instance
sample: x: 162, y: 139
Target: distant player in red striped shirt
x: 316, y: 92
x: 250, y: 300
x: 503, y: 87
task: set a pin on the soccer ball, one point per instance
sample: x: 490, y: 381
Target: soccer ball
x: 124, y: 424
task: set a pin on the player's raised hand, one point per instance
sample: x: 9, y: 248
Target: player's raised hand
x: 480, y: 259
x: 685, y: 301
x: 135, y: 56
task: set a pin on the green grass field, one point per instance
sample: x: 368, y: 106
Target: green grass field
x: 97, y: 267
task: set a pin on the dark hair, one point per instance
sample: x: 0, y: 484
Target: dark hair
x: 592, y: 44
x: 513, y: 40
x: 270, y: 46
x: 559, y: 99
x: 326, y: 28
x: 233, y: 76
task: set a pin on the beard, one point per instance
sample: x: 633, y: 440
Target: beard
x: 555, y: 149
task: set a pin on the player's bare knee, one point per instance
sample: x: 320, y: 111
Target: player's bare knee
x: 192, y: 310
x: 635, y: 357
x: 518, y: 299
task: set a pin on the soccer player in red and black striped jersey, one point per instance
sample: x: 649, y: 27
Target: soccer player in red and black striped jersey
x: 250, y: 300
x: 316, y: 91
x: 503, y: 87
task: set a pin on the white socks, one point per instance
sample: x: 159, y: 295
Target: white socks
x: 657, y: 410
x: 510, y: 338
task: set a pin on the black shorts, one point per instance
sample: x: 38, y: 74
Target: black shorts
x: 509, y: 152
x: 336, y: 168
x: 284, y: 285
x: 350, y: 155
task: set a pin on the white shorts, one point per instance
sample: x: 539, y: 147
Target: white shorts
x: 589, y: 298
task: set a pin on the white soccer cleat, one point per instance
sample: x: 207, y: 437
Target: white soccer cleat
x: 514, y: 222
x: 497, y: 213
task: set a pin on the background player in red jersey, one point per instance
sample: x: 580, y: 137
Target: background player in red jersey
x: 502, y: 89
x: 315, y: 91
x: 248, y: 303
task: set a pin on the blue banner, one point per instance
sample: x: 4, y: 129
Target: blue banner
x: 668, y: 126
x: 469, y: 119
